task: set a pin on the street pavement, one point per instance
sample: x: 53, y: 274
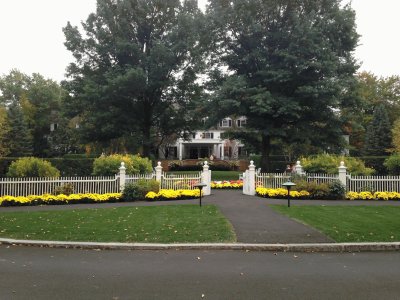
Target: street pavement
x: 44, y: 273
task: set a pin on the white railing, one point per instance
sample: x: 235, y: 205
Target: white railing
x: 39, y: 186
x: 373, y: 183
x: 180, y: 181
x: 271, y: 180
x: 321, y: 178
x: 137, y: 177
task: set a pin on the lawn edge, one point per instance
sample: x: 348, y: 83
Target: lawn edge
x: 307, y: 247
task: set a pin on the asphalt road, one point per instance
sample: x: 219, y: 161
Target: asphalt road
x: 42, y: 273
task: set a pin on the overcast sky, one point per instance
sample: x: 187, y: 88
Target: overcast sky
x: 32, y: 38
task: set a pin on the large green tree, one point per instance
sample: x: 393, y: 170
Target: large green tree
x: 39, y: 99
x: 288, y: 67
x: 135, y: 70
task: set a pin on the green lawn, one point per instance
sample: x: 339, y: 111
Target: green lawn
x: 215, y: 175
x: 155, y: 224
x: 349, y: 223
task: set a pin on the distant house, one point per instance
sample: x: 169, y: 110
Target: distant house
x: 207, y: 143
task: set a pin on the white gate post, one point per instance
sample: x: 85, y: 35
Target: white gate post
x: 122, y: 177
x: 298, y: 168
x: 343, y: 174
x: 251, y: 180
x: 206, y: 179
x: 158, y: 172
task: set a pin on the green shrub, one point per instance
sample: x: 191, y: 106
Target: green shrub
x: 66, y: 189
x: 32, y: 167
x: 139, y: 189
x: 109, y: 165
x: 316, y: 190
x: 327, y: 163
x: 392, y: 164
x: 337, y: 191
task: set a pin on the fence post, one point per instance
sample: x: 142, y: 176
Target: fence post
x: 206, y: 179
x: 343, y: 173
x: 298, y: 168
x: 251, y: 179
x: 122, y: 177
x: 158, y: 172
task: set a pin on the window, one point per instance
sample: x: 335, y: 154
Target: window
x: 208, y: 135
x: 241, y: 122
x: 227, y: 122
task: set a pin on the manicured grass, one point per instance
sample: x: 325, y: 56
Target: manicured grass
x: 215, y: 175
x: 349, y: 223
x: 155, y: 224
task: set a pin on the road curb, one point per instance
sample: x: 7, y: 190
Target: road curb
x: 324, y: 247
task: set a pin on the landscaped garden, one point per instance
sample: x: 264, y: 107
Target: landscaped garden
x: 154, y: 224
x: 349, y: 223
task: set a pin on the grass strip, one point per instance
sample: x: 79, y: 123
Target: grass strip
x: 349, y: 223
x: 215, y: 175
x: 154, y: 224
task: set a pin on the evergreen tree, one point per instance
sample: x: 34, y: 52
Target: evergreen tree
x: 378, y: 136
x: 19, y: 137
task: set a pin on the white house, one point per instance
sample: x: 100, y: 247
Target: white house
x: 207, y: 143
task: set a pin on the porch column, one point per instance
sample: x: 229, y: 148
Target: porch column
x: 180, y: 146
x: 222, y: 151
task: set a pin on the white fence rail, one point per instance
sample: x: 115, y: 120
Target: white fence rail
x: 180, y: 181
x: 373, y: 183
x: 271, y: 180
x: 136, y: 178
x: 39, y: 186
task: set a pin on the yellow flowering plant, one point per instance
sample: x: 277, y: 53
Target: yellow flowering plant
x: 164, y: 194
x: 231, y: 184
x: 280, y: 193
x: 373, y: 196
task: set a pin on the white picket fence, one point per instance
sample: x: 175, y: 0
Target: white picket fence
x: 102, y: 185
x: 275, y: 180
x: 40, y: 186
x: 373, y: 183
x: 252, y: 180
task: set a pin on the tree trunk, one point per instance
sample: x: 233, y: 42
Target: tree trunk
x: 265, y: 151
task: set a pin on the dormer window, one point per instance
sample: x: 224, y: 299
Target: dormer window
x: 227, y: 122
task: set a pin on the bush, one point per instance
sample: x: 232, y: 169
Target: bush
x: 327, y: 163
x: 109, y: 165
x: 66, y: 189
x: 392, y: 164
x: 32, y: 167
x: 139, y: 189
x: 316, y: 190
x: 337, y: 191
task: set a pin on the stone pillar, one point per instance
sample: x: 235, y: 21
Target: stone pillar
x: 343, y: 173
x: 122, y: 177
x: 158, y: 172
x: 251, y: 180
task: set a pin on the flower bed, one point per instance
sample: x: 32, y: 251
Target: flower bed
x: 231, y: 184
x: 373, y: 196
x: 48, y: 199
x: 280, y: 193
x: 173, y: 195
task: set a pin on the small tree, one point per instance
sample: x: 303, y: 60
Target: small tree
x: 396, y: 136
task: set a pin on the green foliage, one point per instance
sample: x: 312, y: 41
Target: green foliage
x: 4, y: 129
x: 139, y: 189
x: 316, y: 190
x: 66, y: 189
x: 378, y: 137
x: 327, y: 163
x: 392, y: 164
x: 396, y: 136
x: 32, y: 167
x: 290, y: 63
x: 144, y: 85
x: 109, y: 165
x: 337, y: 191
